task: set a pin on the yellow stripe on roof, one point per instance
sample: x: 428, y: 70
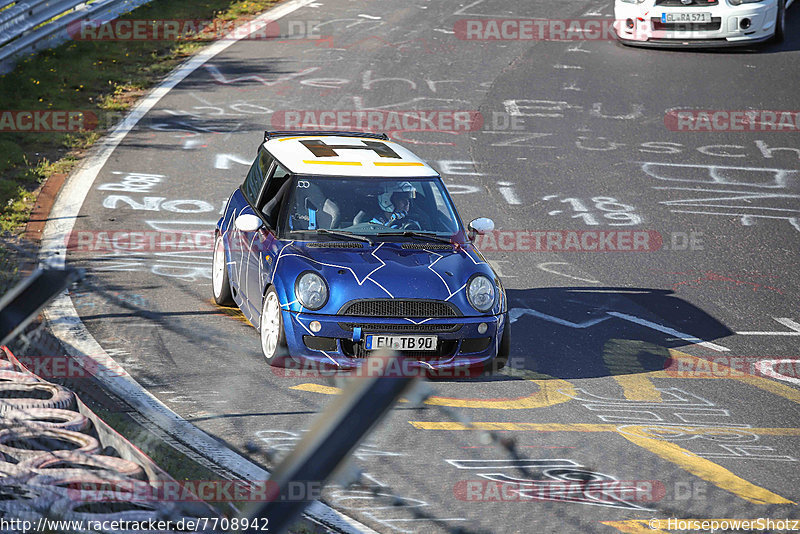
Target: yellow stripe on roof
x: 322, y: 162
x: 398, y: 164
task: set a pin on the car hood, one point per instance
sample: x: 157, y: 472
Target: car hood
x: 415, y: 270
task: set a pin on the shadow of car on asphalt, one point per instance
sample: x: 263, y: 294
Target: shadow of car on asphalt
x: 589, y: 332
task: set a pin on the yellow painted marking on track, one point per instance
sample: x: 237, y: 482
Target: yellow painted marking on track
x: 717, y: 371
x: 636, y: 526
x: 318, y: 388
x: 398, y: 164
x: 638, y: 435
x: 519, y: 427
x: 638, y: 388
x: 234, y: 313
x: 581, y: 427
x: 773, y: 386
x: 627, y: 361
x: 550, y: 392
x: 325, y: 390
x: 649, y: 526
x: 773, y: 431
x: 319, y: 162
x: 705, y: 469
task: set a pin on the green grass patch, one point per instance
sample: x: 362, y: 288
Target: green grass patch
x: 104, y: 77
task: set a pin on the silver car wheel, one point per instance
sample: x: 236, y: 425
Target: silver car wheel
x: 270, y: 325
x: 218, y: 270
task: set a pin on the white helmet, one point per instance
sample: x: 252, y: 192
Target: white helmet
x: 385, y: 199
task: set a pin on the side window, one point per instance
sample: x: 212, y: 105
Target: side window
x: 255, y: 178
x: 264, y: 161
x: 280, y: 172
x: 274, y: 195
x: 274, y: 183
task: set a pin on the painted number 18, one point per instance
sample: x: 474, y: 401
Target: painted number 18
x: 612, y: 209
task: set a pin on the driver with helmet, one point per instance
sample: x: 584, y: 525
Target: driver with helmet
x: 395, y: 203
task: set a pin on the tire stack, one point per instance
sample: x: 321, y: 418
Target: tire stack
x: 53, y: 465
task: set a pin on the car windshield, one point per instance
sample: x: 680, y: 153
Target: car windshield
x: 369, y: 207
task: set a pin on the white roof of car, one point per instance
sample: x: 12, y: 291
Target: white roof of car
x: 389, y: 160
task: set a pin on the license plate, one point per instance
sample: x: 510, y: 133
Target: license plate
x: 375, y: 342
x: 667, y: 18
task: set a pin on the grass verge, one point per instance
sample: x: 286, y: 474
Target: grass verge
x: 103, y: 77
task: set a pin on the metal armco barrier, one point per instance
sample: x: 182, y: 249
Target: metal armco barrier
x: 28, y: 26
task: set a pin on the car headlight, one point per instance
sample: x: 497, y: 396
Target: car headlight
x: 633, y: 1
x: 480, y: 292
x: 739, y: 2
x: 312, y: 290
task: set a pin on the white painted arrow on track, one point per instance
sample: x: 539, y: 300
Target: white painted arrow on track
x: 516, y: 313
x: 223, y: 161
x: 789, y: 323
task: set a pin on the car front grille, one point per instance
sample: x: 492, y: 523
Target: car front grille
x: 714, y: 25
x: 399, y: 308
x: 405, y: 328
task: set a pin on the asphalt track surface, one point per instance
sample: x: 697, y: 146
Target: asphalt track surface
x: 586, y: 395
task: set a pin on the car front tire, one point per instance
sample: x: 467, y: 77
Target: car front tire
x: 273, y: 337
x: 220, y: 284
x: 780, y: 22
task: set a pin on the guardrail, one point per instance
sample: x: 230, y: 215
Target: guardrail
x: 29, y: 26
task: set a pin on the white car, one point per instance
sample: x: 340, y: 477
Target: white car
x: 705, y: 23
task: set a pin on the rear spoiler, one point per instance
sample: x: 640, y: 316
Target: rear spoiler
x: 273, y: 135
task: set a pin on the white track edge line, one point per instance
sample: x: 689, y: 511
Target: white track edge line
x: 68, y: 328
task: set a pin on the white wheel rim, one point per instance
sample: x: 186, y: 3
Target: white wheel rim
x: 218, y: 267
x: 270, y: 325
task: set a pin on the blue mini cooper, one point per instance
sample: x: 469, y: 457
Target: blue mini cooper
x: 338, y: 244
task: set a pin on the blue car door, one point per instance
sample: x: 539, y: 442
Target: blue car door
x: 261, y: 245
x: 242, y: 243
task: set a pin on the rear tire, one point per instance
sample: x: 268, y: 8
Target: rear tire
x: 780, y: 22
x: 273, y: 337
x: 220, y: 283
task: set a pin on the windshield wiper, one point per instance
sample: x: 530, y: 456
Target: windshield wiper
x: 344, y: 235
x: 413, y: 233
